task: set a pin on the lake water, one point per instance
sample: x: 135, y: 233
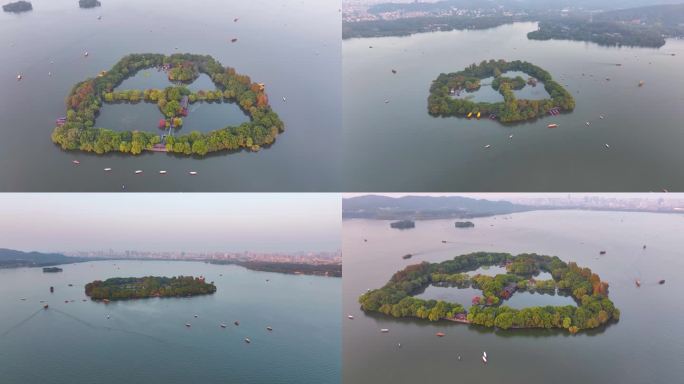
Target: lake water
x: 147, y: 341
x: 398, y: 147
x: 488, y: 94
x: 292, y: 47
x: 644, y: 347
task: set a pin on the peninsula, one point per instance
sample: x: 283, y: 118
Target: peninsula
x: 123, y: 288
x: 593, y: 309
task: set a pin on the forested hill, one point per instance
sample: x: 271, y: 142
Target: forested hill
x: 424, y: 207
x: 665, y: 15
x: 10, y: 258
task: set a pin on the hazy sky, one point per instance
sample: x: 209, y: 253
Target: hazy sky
x: 170, y: 222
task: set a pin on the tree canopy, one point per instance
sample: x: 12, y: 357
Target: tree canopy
x: 511, y: 110
x: 121, y: 288
x: 593, y: 309
x: 86, y: 98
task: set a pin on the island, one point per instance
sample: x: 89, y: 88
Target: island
x: 403, y: 224
x: 445, y: 92
x: 18, y: 7
x: 593, y: 308
x: 77, y: 130
x: 124, y: 288
x: 52, y: 270
x: 607, y: 33
x: 464, y: 224
x: 89, y: 3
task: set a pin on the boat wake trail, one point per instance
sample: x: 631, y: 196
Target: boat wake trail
x: 19, y: 324
x: 98, y: 327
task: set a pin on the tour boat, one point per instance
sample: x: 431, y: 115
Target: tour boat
x: 236, y: 19
x: 108, y: 317
x: 193, y: 173
x: 350, y: 317
x: 384, y: 330
x: 444, y: 241
x: 601, y: 117
x: 638, y: 283
x: 99, y: 17
x: 107, y: 169
x: 644, y: 246
x: 459, y: 357
x: 23, y: 299
x: 587, y: 123
x: 398, y: 345
x: 510, y: 136
x: 661, y: 282
x: 269, y: 328
x: 45, y: 306
x: 196, y: 316
x: 19, y: 77
x: 386, y: 101
x: 440, y: 334
x: 49, y: 73
x: 470, y: 114
x: 76, y: 162
x: 552, y: 126
x: 641, y: 83
x: 247, y: 340
x: 85, y: 54
x: 138, y: 172
x: 484, y: 354
x: 394, y: 71
x: 484, y: 359
x: 188, y: 325
x: 478, y: 115
x: 607, y: 146
x: 162, y: 172
x: 236, y: 322
x: 488, y: 146
x: 602, y: 253
x: 233, y: 40
x: 284, y: 99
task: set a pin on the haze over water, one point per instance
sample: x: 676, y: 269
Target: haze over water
x: 147, y: 340
x: 397, y: 146
x: 292, y: 47
x: 645, y: 346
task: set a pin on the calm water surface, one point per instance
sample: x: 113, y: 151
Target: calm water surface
x: 292, y: 47
x: 147, y: 341
x: 646, y: 346
x: 398, y: 147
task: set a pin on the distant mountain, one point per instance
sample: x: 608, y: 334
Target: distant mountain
x: 10, y: 258
x: 424, y: 207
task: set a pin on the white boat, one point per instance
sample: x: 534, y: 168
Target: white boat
x: 350, y: 317
x: 188, y: 325
x: 269, y: 328
x: 484, y: 359
x: 49, y: 73
x: 386, y: 101
x: 587, y: 123
x: 138, y: 172
x: 107, y: 169
x: 76, y: 162
x: 601, y: 117
x: 19, y: 77
x: 607, y: 146
x: 284, y: 99
x: 510, y: 136
x: 552, y: 126
x: 193, y: 173
x: 484, y: 354
x: 488, y: 146
x: 162, y: 172
x: 85, y: 54
x: 223, y: 325
x: 384, y: 330
x: 247, y: 340
x: 196, y: 316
